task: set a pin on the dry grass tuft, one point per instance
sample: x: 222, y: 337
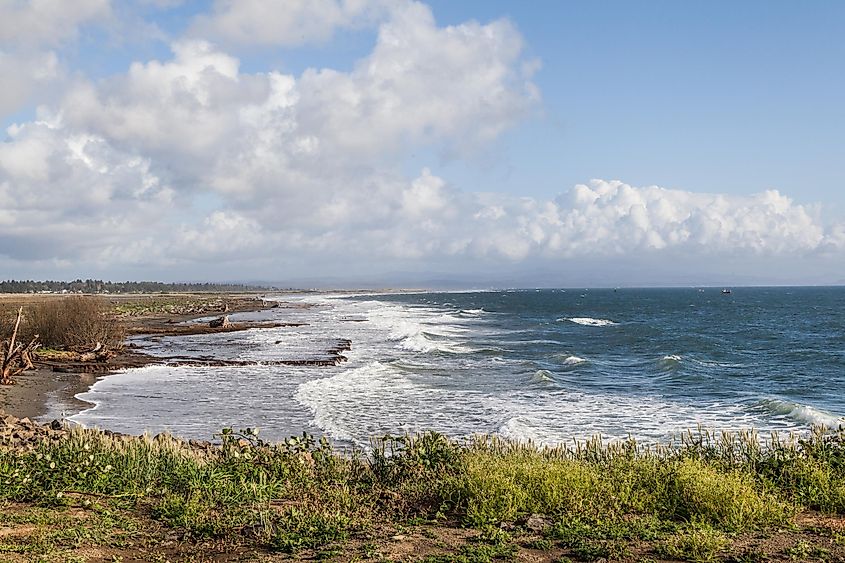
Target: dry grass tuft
x: 74, y: 323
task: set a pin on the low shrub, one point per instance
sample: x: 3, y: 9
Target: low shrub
x: 75, y: 323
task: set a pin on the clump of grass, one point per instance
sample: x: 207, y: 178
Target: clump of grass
x: 74, y: 323
x: 297, y: 528
x: 727, y: 498
x: 699, y: 543
x: 540, y: 544
x: 499, y: 488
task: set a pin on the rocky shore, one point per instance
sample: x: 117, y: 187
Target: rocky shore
x: 24, y: 434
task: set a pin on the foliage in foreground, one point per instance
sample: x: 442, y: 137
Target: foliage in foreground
x: 303, y: 495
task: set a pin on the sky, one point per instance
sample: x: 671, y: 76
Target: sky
x: 394, y: 142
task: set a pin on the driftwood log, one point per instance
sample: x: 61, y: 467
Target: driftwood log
x: 99, y: 354
x: 16, y: 358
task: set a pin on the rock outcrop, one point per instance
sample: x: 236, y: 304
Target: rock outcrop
x: 24, y: 434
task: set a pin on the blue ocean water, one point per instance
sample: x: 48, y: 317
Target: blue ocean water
x: 544, y: 365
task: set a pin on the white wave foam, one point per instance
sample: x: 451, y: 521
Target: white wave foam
x: 542, y: 376
x: 519, y: 430
x: 329, y: 398
x: 472, y: 312
x: 419, y: 342
x: 558, y: 417
x: 671, y: 358
x: 803, y: 413
x: 589, y: 321
x: 714, y: 364
x: 573, y: 361
x: 376, y: 399
x: 418, y: 329
x: 535, y: 341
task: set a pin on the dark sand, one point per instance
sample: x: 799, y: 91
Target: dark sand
x: 35, y: 390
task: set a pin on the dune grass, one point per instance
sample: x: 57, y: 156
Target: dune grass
x: 593, y: 499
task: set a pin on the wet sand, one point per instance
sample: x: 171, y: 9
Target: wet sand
x: 32, y: 391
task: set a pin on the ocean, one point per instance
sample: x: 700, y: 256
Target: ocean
x: 550, y: 365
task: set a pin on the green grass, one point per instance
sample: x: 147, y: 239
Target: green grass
x: 699, y: 543
x: 688, y: 500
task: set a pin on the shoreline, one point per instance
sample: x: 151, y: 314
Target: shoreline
x: 52, y: 387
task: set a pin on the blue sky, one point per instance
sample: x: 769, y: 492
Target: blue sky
x: 718, y: 96
x: 668, y: 108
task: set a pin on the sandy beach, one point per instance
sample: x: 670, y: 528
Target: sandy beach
x: 51, y: 387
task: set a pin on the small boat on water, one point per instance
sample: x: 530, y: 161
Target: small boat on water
x: 726, y: 291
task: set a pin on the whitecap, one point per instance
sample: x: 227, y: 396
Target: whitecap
x: 542, y: 376
x: 472, y: 312
x: 589, y: 321
x: 573, y: 361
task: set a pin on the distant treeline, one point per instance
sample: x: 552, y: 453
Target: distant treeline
x: 100, y: 286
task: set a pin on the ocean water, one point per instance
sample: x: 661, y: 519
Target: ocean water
x: 542, y: 365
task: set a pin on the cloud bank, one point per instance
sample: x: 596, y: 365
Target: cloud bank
x: 287, y: 22
x: 191, y: 161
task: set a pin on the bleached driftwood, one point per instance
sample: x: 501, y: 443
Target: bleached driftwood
x: 99, y: 353
x: 220, y: 322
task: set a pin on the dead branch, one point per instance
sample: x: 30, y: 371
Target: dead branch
x: 16, y: 358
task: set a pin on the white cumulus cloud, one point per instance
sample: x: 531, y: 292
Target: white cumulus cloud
x: 191, y: 160
x: 46, y: 22
x: 286, y: 22
x: 30, y: 31
x: 69, y: 195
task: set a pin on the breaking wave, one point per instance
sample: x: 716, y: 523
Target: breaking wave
x: 471, y: 312
x: 589, y: 321
x: 805, y: 414
x: 542, y: 376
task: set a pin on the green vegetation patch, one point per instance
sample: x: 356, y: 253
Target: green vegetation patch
x: 596, y: 501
